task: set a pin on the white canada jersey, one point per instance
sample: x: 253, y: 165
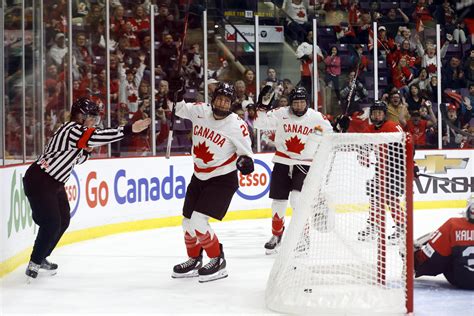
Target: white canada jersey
x: 292, y: 132
x: 216, y: 143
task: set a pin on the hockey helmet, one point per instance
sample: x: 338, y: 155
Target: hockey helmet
x: 296, y: 94
x: 87, y: 108
x: 378, y: 105
x: 227, y: 90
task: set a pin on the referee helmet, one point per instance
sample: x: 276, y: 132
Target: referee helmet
x: 87, y: 108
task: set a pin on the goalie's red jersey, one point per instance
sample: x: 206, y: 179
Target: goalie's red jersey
x: 450, y: 251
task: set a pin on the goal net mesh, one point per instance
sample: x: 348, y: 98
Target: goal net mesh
x: 344, y: 250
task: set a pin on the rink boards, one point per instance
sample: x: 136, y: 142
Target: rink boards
x: 109, y: 196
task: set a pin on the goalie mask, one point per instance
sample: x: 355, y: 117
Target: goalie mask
x: 378, y: 106
x: 222, y: 100
x: 87, y: 108
x: 297, y: 96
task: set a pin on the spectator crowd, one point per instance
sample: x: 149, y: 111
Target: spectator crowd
x: 405, y: 38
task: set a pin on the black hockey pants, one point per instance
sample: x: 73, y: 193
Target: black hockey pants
x: 50, y: 210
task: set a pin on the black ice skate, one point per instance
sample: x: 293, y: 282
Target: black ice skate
x: 48, y: 267
x: 394, y: 238
x: 214, y: 270
x: 32, y: 271
x: 273, y: 244
x: 369, y: 233
x: 188, y: 269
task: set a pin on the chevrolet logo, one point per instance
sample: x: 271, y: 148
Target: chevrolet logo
x: 439, y: 164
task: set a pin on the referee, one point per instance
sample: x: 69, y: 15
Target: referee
x: 44, y: 180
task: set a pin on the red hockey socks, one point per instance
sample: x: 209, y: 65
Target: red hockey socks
x: 193, y: 247
x: 278, y: 224
x: 209, y: 243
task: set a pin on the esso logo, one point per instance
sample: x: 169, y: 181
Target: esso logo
x: 257, y: 184
x: 97, y: 192
x: 73, y: 191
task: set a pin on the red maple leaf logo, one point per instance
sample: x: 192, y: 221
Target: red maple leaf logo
x: 294, y: 145
x: 301, y: 14
x: 202, y: 152
x: 431, y: 68
x: 132, y: 98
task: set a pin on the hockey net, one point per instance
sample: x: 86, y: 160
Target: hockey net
x: 344, y: 251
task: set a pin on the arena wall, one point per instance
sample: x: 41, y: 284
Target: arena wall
x: 109, y: 196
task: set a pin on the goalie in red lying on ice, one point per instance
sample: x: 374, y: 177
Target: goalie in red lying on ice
x: 221, y: 146
x: 292, y: 125
x: 449, y: 250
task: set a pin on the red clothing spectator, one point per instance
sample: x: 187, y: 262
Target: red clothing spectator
x: 140, y: 142
x: 118, y: 21
x: 418, y: 130
x: 140, y: 23
x: 131, y: 36
x: 422, y: 13
x: 333, y: 65
x: 401, y: 75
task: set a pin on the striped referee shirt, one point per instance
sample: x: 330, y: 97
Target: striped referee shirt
x: 66, y: 147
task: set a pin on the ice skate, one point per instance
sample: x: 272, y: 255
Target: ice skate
x: 214, y: 269
x: 273, y: 244
x: 48, y: 268
x: 188, y: 269
x: 32, y: 271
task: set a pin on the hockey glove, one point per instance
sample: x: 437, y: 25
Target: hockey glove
x: 341, y: 124
x: 177, y: 88
x: 245, y: 165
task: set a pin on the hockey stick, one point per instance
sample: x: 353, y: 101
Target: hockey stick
x: 175, y: 96
x: 441, y: 179
x: 353, y: 85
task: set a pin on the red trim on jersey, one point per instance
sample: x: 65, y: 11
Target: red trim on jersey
x: 211, y: 169
x: 82, y: 142
x: 281, y: 154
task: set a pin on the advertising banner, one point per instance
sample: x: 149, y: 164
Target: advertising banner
x: 110, y: 191
x: 454, y: 165
x: 268, y: 33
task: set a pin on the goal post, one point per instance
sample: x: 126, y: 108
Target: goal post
x: 349, y: 246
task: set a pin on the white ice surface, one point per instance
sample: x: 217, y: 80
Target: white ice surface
x: 130, y: 274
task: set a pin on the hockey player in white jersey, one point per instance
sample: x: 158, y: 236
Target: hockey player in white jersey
x: 293, y: 125
x: 221, y: 145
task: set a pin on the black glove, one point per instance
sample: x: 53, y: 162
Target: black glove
x: 341, y: 124
x: 266, y: 98
x: 177, y: 88
x: 416, y: 171
x: 245, y: 165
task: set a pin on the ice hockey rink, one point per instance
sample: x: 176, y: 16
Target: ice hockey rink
x: 130, y: 273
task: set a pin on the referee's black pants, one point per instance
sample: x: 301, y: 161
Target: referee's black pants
x: 50, y: 210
